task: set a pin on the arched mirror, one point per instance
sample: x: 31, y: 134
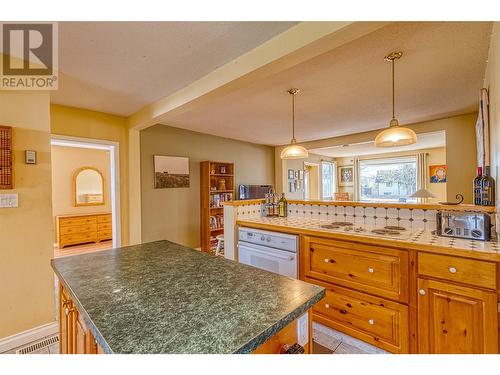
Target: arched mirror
x: 88, y: 186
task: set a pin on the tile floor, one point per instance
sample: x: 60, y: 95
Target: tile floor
x: 330, y: 341
x: 82, y: 249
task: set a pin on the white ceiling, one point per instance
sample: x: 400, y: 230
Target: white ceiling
x: 425, y: 141
x: 348, y: 90
x: 118, y: 67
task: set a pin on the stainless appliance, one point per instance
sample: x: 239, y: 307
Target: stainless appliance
x: 253, y: 191
x: 270, y: 251
x: 471, y: 225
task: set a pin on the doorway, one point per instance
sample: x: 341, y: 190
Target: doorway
x: 311, y: 181
x: 86, y: 195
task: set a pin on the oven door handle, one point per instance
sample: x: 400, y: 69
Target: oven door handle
x: 271, y: 254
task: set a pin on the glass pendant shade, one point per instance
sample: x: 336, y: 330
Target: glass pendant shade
x: 294, y: 151
x: 395, y: 135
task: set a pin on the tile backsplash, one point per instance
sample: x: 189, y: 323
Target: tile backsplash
x: 410, y: 218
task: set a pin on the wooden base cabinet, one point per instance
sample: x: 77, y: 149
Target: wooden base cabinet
x: 74, y: 336
x: 456, y: 319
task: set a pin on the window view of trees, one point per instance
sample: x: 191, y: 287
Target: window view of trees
x: 388, y: 179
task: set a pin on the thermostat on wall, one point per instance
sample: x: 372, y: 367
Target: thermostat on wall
x: 30, y: 157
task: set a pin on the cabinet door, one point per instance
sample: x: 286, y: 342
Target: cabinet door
x: 65, y: 324
x: 456, y: 319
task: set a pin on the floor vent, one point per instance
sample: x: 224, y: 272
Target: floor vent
x: 34, y: 347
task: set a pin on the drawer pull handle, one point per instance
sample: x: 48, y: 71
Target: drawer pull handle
x: 452, y: 270
x: 327, y: 306
x: 421, y: 292
x: 371, y: 270
x: 371, y: 321
x: 329, y: 260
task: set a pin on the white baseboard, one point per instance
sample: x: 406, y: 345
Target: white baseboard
x: 23, y: 338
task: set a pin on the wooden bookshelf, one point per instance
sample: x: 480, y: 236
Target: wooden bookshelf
x: 216, y: 186
x: 6, y: 178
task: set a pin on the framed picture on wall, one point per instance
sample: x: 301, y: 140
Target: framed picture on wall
x: 301, y: 174
x: 291, y: 174
x: 292, y: 186
x: 346, y: 175
x: 437, y: 173
x: 171, y: 172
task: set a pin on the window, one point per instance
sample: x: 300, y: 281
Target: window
x: 327, y: 180
x: 391, y: 179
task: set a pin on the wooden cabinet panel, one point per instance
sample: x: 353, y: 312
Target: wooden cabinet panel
x: 102, y: 219
x: 461, y: 270
x: 104, y: 226
x: 378, y: 321
x: 372, y: 269
x: 456, y: 319
x: 77, y: 220
x: 77, y: 229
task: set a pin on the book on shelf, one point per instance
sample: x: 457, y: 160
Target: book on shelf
x: 216, y: 200
x: 216, y: 221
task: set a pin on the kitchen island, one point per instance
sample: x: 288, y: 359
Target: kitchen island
x: 161, y: 297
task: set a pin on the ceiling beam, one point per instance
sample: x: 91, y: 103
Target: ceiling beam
x: 300, y: 43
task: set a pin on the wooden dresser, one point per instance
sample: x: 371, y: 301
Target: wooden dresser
x: 79, y: 229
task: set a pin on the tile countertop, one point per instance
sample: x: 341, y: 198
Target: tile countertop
x: 417, y: 239
x: 161, y: 297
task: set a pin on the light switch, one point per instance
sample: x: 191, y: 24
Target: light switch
x: 9, y: 200
x: 303, y: 329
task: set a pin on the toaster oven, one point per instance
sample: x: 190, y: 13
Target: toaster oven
x: 471, y: 225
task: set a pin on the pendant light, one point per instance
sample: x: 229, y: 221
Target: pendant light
x: 294, y: 151
x: 395, y: 135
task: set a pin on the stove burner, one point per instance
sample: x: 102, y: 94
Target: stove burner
x: 330, y: 226
x: 394, y: 227
x: 385, y: 232
x: 342, y: 223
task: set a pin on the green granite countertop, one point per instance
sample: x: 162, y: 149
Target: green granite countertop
x: 161, y: 297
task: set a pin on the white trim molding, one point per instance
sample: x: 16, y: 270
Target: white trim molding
x: 23, y: 338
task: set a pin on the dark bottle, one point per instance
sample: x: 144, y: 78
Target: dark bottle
x: 487, y: 188
x: 477, y: 186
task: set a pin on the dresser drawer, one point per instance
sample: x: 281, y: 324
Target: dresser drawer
x: 77, y: 229
x: 378, y: 321
x: 371, y: 269
x: 78, y: 220
x: 105, y: 235
x: 104, y: 219
x: 104, y: 226
x: 75, y: 238
x: 461, y: 270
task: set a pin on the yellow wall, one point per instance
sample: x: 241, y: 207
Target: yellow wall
x: 67, y: 160
x: 174, y: 214
x: 492, y: 83
x: 26, y: 232
x: 460, y: 150
x: 78, y: 122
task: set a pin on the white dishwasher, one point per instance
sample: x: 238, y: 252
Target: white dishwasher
x: 271, y: 251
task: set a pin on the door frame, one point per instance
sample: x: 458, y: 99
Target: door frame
x: 320, y: 187
x: 114, y: 157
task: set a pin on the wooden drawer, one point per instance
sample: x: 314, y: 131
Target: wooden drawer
x: 78, y: 220
x: 372, y: 269
x: 74, y: 238
x: 461, y: 270
x: 104, y: 226
x: 377, y: 321
x: 104, y: 219
x: 105, y: 235
x: 77, y: 229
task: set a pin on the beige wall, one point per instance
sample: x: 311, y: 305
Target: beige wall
x: 174, y: 214
x: 26, y: 232
x: 83, y: 123
x: 460, y: 150
x: 492, y: 83
x: 67, y: 160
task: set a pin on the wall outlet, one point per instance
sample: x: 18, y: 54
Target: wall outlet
x: 9, y: 200
x: 303, y: 329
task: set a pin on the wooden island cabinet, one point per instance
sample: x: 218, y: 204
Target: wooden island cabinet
x: 404, y: 301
